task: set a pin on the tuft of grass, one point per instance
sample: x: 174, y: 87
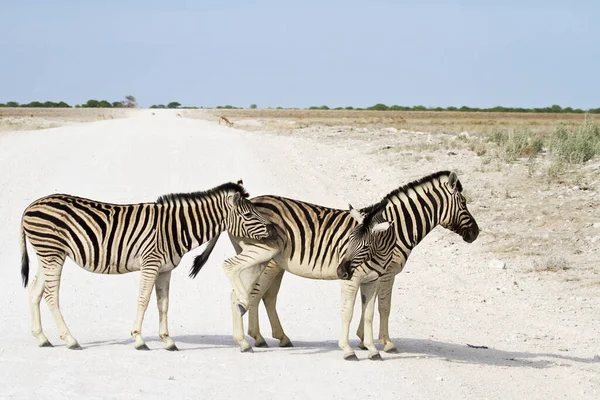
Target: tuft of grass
x: 551, y: 264
x: 516, y: 143
x: 578, y: 145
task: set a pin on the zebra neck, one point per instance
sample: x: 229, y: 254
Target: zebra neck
x: 416, y: 212
x: 194, y: 222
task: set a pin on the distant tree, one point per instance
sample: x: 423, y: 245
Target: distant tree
x: 91, y: 104
x: 62, y: 104
x: 555, y: 108
x: 105, y: 104
x: 173, y: 104
x: 349, y: 108
x: 12, y: 104
x: 378, y: 107
x: 252, y: 106
x: 118, y: 104
x: 130, y: 102
x: 2, y: 105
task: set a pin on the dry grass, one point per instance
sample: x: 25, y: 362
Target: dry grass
x: 18, y: 119
x: 420, y: 121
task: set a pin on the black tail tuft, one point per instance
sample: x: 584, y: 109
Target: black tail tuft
x: 200, y: 260
x: 24, y: 260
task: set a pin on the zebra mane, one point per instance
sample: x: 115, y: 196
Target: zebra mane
x: 372, y: 211
x: 226, y: 187
x: 369, y: 210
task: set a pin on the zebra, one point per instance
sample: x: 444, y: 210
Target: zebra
x: 314, y: 242
x: 414, y: 209
x: 109, y: 238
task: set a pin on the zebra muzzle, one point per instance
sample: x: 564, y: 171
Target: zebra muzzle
x: 343, y: 272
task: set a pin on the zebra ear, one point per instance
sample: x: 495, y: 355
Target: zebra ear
x: 453, y: 180
x: 240, y: 182
x: 382, y: 226
x: 355, y: 214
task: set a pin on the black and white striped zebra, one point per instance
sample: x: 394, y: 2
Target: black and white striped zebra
x: 415, y: 209
x: 314, y: 242
x: 115, y: 239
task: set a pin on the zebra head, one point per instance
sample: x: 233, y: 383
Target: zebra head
x: 364, y: 240
x: 244, y: 220
x: 457, y: 217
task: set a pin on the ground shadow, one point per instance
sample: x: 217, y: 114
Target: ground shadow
x: 408, y: 347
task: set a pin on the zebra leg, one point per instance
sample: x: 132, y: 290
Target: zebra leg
x: 385, y: 305
x: 360, y: 332
x: 161, y: 287
x: 261, y: 286
x: 258, y: 290
x: 368, y: 296
x: 149, y: 274
x: 36, y: 290
x: 349, y: 290
x: 270, y: 301
x: 238, y: 326
x: 53, y: 269
x: 234, y: 267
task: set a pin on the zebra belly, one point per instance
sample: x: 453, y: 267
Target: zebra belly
x: 322, y: 271
x: 133, y: 265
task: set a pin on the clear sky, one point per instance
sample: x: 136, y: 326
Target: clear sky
x: 479, y: 53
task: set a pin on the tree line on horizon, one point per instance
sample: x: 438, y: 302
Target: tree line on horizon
x: 130, y: 102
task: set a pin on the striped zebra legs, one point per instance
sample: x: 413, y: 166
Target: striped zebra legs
x: 52, y: 266
x: 35, y: 297
x: 267, y: 288
x: 234, y: 267
x: 385, y: 305
x: 368, y: 296
x: 161, y: 286
x: 384, y: 299
x: 149, y: 274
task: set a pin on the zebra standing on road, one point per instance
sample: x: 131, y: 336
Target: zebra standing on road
x: 116, y: 239
x: 313, y: 242
x: 415, y: 210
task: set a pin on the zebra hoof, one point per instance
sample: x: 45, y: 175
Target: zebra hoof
x: 46, y: 344
x: 74, y: 346
x: 362, y: 346
x: 143, y: 347
x: 286, y: 344
x: 261, y: 344
x: 350, y: 357
x: 392, y: 350
x: 172, y: 348
x: 248, y: 350
x: 242, y: 309
x: 375, y: 357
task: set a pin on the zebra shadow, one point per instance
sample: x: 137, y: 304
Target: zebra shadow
x: 409, y: 348
x: 456, y: 353
x: 203, y: 342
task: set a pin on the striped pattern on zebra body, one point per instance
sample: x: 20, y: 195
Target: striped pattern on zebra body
x: 314, y: 242
x: 414, y: 209
x: 119, y: 238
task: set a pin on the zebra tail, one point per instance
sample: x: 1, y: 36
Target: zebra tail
x: 200, y: 260
x: 24, y: 259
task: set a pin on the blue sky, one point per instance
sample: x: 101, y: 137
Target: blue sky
x: 275, y: 53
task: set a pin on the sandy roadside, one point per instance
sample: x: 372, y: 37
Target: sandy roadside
x: 541, y: 328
